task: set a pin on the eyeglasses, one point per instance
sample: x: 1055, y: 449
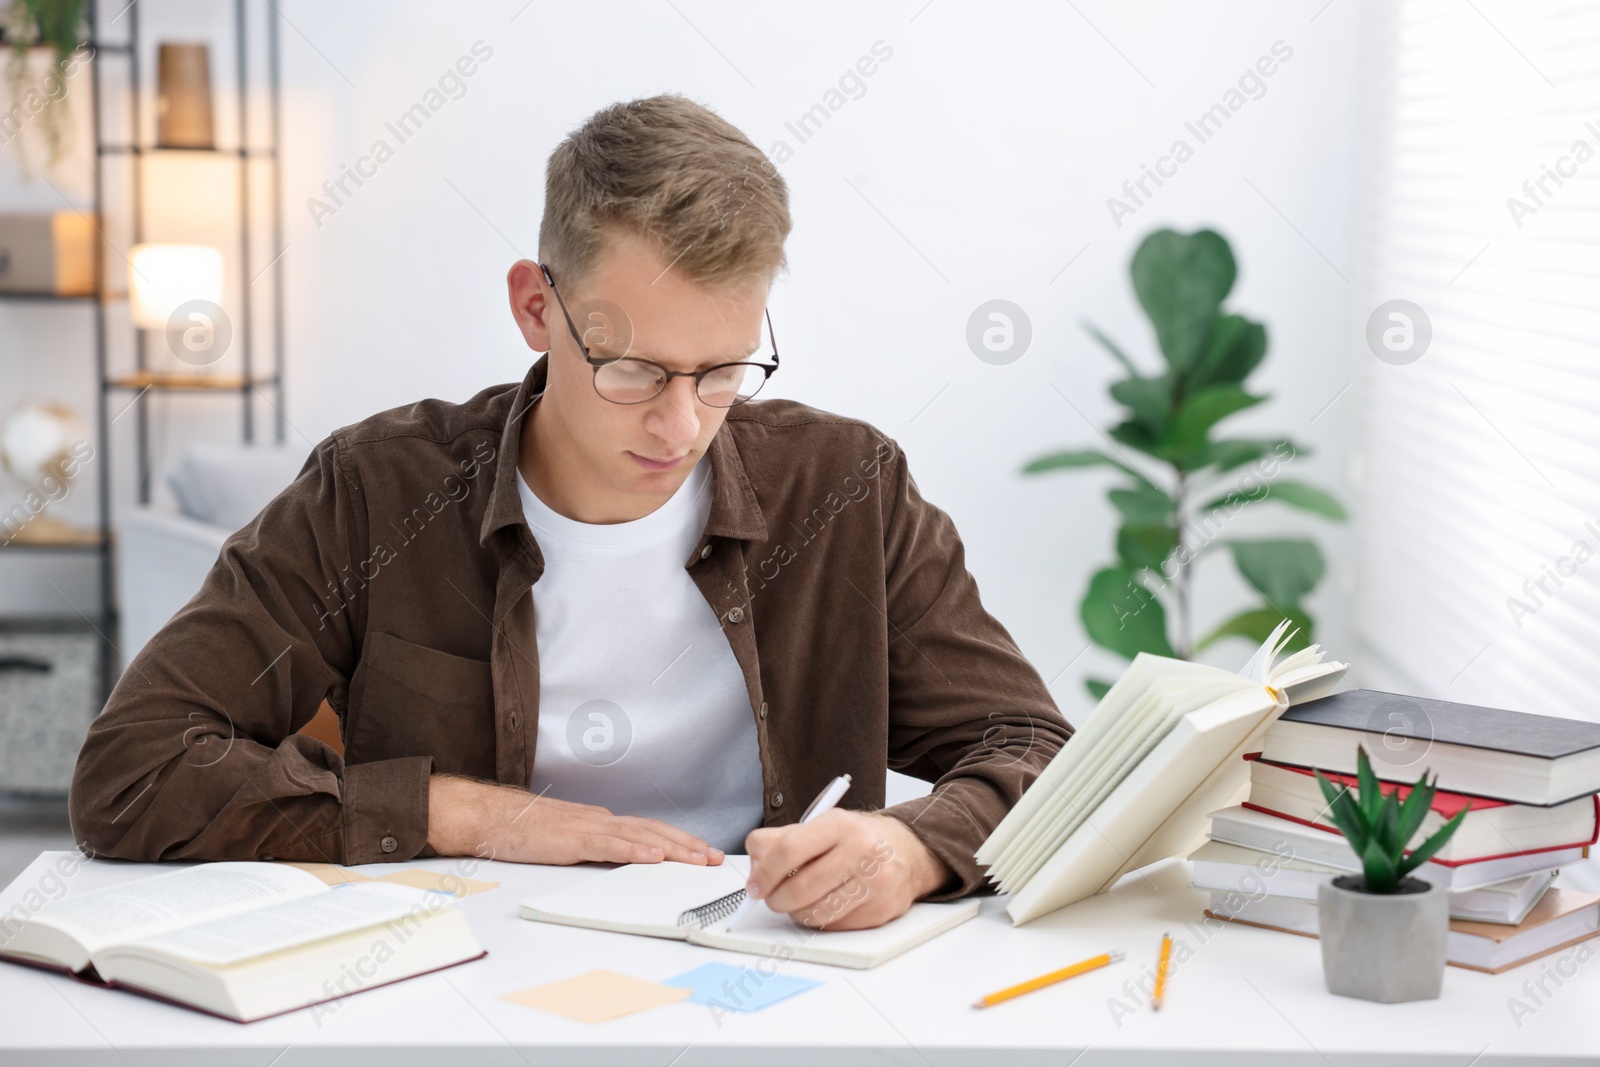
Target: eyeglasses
x: 629, y: 380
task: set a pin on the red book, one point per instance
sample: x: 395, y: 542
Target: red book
x: 1493, y: 829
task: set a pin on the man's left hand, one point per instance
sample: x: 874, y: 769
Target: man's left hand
x: 844, y: 870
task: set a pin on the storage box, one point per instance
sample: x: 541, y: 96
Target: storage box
x: 45, y: 714
x: 47, y: 253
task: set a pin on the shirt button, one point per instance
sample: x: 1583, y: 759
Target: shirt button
x: 388, y: 844
x: 763, y: 712
x: 705, y: 552
x: 513, y: 720
x: 777, y: 800
x: 735, y: 614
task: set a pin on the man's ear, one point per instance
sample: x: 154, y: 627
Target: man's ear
x: 529, y: 295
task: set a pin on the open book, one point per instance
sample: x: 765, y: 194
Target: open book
x: 691, y: 903
x: 243, y: 940
x: 1161, y: 751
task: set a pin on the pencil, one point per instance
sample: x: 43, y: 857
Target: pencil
x: 1161, y: 972
x: 1048, y: 979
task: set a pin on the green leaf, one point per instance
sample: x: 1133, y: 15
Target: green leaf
x: 1424, y: 852
x: 1120, y: 614
x: 1181, y: 281
x: 1235, y: 347
x: 1414, y: 811
x: 1385, y: 817
x: 1185, y: 438
x: 1081, y: 457
x: 1111, y: 346
x: 1282, y: 571
x: 1295, y: 494
x: 1342, y: 809
x: 1257, y: 625
x: 1237, y: 451
x: 1097, y: 688
x: 1145, y: 545
x: 1380, y: 868
x: 1367, y: 782
x: 1347, y: 815
x: 1150, y: 400
x: 1136, y: 434
x: 1144, y: 506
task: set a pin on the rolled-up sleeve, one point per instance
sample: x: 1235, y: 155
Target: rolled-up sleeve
x: 196, y: 755
x: 967, y: 711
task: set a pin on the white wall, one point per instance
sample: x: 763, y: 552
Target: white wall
x: 976, y: 165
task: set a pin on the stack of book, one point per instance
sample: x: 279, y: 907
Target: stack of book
x: 1528, y: 783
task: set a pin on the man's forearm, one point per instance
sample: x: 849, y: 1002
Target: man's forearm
x: 465, y: 813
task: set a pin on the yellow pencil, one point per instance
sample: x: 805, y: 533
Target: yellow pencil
x: 1161, y: 972
x: 1048, y: 979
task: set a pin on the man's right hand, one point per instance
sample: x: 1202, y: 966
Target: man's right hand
x: 469, y: 817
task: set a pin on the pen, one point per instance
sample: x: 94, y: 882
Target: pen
x: 1161, y: 972
x: 1048, y: 979
x: 825, y: 801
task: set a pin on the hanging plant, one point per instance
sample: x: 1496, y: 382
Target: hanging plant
x: 59, y: 26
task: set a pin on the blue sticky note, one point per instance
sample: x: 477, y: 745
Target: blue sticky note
x: 739, y: 988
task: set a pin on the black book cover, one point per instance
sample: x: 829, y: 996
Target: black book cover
x: 1444, y: 721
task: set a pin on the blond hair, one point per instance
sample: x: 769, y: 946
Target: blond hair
x: 675, y: 174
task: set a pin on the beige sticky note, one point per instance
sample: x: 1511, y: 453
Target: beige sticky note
x: 597, y: 996
x: 444, y: 882
x: 331, y: 873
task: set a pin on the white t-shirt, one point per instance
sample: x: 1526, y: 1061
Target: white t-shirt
x: 642, y: 706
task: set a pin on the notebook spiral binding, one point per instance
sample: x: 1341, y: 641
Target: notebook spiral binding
x: 706, y: 914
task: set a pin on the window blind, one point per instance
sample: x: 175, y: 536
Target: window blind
x: 1476, y: 466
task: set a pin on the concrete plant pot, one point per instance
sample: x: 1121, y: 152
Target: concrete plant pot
x: 1387, y: 947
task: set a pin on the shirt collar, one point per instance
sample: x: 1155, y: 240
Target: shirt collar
x: 734, y: 509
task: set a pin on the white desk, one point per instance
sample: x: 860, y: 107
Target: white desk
x: 1245, y: 997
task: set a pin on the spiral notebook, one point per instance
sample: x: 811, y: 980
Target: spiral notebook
x: 691, y: 903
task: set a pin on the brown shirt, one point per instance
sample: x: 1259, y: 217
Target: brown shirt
x: 394, y: 579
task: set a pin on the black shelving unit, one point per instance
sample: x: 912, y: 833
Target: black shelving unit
x: 140, y: 381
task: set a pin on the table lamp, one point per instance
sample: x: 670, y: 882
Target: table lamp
x: 166, y: 276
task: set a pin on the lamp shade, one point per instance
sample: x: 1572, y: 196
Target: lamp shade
x: 164, y: 277
x: 183, y: 97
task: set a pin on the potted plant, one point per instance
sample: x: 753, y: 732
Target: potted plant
x: 1383, y: 931
x: 1185, y: 479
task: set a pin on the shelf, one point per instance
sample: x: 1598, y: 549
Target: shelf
x: 150, y: 150
x: 113, y: 49
x: 7, y: 294
x: 207, y: 383
x: 72, y: 540
x: 46, y: 624
x: 65, y: 298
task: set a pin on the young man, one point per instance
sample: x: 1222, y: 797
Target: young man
x: 611, y: 613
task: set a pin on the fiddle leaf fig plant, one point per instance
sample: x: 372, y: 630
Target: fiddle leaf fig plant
x: 1378, y: 825
x: 1182, y: 478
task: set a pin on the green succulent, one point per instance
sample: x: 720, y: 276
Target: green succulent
x: 1378, y: 825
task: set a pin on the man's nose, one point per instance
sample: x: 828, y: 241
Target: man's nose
x: 680, y: 408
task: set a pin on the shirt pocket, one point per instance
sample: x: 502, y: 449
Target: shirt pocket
x: 410, y: 700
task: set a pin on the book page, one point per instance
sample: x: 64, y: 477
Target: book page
x: 290, y: 923
x: 1174, y: 697
x: 164, y: 901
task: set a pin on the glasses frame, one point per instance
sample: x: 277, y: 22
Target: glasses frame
x: 666, y: 374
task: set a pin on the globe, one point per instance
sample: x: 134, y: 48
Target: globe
x: 43, y: 446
